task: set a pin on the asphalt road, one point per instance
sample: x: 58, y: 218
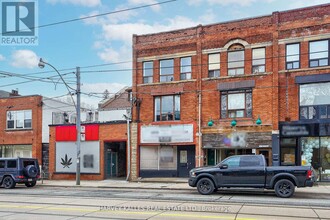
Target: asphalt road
x: 84, y: 203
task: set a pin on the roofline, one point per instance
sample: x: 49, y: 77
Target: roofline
x: 233, y: 21
x: 20, y: 96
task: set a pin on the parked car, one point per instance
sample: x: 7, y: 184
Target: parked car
x: 251, y: 171
x: 18, y: 170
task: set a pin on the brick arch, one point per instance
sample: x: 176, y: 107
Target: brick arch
x: 235, y: 41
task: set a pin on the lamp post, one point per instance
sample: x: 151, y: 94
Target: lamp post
x: 78, y: 124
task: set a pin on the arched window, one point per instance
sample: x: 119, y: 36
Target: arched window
x: 236, y: 60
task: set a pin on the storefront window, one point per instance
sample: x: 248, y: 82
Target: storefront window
x: 325, y: 158
x: 158, y: 158
x: 16, y: 151
x: 288, y: 151
x: 310, y: 150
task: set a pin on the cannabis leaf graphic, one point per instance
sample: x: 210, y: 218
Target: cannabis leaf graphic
x: 66, y: 162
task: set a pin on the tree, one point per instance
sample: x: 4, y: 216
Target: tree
x: 106, y: 94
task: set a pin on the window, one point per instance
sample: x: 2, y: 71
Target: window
x: 292, y: 57
x: 236, y: 104
x: 2, y: 164
x: 232, y: 162
x: 319, y: 53
x: 258, y: 60
x: 235, y: 63
x: 158, y: 158
x: 167, y: 108
x: 148, y: 72
x: 250, y: 161
x: 19, y: 119
x: 166, y: 70
x: 185, y: 68
x: 214, y: 65
x: 314, y: 101
x: 11, y: 164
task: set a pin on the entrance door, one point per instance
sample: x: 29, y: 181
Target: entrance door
x: 112, y: 170
x: 267, y: 154
x: 186, y: 160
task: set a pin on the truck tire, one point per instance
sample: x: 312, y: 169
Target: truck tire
x: 205, y: 186
x: 31, y: 171
x: 8, y: 182
x: 284, y: 188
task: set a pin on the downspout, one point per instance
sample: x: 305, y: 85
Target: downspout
x: 128, y: 149
x: 199, y: 128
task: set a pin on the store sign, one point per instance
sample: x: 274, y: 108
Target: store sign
x: 66, y: 157
x: 157, y: 134
x: 296, y: 130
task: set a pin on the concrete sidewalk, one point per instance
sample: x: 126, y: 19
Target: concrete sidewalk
x: 154, y: 183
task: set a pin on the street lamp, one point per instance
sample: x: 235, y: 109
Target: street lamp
x: 42, y: 64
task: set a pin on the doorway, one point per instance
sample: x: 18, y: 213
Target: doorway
x: 115, y: 159
x: 267, y: 154
x: 186, y: 160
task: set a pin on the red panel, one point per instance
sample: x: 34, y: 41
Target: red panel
x: 66, y: 133
x: 92, y: 132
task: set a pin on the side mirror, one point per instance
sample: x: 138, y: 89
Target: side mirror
x: 223, y: 166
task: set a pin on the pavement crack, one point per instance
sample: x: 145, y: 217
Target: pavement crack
x: 239, y: 211
x: 315, y: 212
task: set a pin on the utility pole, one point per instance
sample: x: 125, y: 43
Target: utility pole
x: 78, y: 127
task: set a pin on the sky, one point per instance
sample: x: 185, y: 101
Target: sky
x: 102, y: 45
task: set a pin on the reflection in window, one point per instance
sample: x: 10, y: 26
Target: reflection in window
x: 158, y: 158
x: 167, y: 108
x: 147, y: 72
x: 166, y: 70
x: 236, y: 104
x: 19, y: 119
x: 235, y: 63
x: 319, y: 53
x: 258, y: 60
x: 214, y: 65
x: 185, y: 68
x: 292, y: 56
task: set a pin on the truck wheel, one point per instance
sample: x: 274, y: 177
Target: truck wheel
x: 31, y: 171
x: 205, y: 186
x: 284, y: 188
x: 8, y: 182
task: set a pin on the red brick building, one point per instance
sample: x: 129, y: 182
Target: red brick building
x: 204, y: 93
x: 21, y: 126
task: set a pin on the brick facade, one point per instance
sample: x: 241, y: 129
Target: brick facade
x: 275, y: 94
x: 29, y: 136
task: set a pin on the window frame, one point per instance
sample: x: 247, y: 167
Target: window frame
x: 259, y: 59
x: 167, y: 77
x: 148, y: 78
x: 213, y: 73
x: 226, y: 114
x: 170, y: 116
x: 26, y: 120
x: 292, y: 62
x: 318, y: 60
x: 184, y: 74
x: 236, y: 61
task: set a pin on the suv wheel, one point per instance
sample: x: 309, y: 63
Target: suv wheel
x: 8, y: 182
x: 31, y: 184
x: 31, y: 171
x: 205, y: 186
x: 284, y: 188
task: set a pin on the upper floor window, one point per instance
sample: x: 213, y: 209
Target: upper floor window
x: 19, y: 119
x: 314, y: 101
x: 148, y: 71
x: 166, y: 70
x: 236, y: 60
x: 185, y: 68
x: 214, y: 65
x: 167, y: 108
x: 236, y: 104
x: 259, y: 60
x: 319, y: 53
x: 292, y: 58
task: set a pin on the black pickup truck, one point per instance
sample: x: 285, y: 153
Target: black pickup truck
x: 251, y: 171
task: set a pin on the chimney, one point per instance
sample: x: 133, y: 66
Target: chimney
x: 14, y: 92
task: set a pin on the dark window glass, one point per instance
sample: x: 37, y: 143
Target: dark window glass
x: 232, y: 162
x: 11, y: 164
x: 2, y: 164
x: 248, y: 161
